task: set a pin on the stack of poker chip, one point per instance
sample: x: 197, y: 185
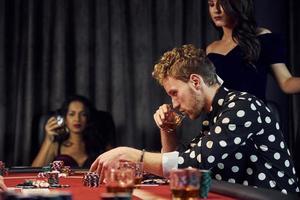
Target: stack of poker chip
x: 66, y: 170
x: 3, y: 170
x: 57, y: 165
x: 43, y: 175
x: 91, y: 179
x: 53, y: 172
x: 52, y: 180
x: 53, y: 177
x: 205, y: 183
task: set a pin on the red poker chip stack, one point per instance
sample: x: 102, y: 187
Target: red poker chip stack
x: 43, y: 175
x: 53, y: 172
x: 91, y: 179
x: 53, y: 176
x: 57, y: 165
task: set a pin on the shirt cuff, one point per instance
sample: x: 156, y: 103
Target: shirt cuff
x: 169, y: 161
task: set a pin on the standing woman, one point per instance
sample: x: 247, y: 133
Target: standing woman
x: 79, y: 143
x: 246, y: 53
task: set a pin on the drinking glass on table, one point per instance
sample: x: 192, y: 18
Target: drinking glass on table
x: 185, y: 183
x: 119, y: 180
x: 138, y: 168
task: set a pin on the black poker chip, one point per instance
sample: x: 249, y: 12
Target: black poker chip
x: 91, y: 179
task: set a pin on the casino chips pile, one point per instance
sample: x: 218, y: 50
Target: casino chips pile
x: 91, y: 179
x: 57, y: 167
x: 53, y: 172
x: 3, y: 170
x: 205, y: 183
x: 31, y: 184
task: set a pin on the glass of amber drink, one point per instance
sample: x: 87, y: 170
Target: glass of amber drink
x: 119, y: 180
x: 138, y: 168
x: 173, y: 119
x: 185, y: 183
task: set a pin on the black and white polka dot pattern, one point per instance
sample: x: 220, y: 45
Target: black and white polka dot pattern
x: 242, y: 144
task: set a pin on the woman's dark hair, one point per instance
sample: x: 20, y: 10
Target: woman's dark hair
x: 94, y: 142
x: 244, y: 31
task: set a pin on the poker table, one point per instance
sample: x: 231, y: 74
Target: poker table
x: 219, y: 191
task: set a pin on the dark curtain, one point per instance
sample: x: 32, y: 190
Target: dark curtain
x: 105, y: 50
x: 294, y: 104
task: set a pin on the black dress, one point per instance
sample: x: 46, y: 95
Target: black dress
x: 239, y: 75
x: 70, y: 161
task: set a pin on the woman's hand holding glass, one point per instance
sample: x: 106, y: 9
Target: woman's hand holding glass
x: 51, y: 128
x: 167, y: 118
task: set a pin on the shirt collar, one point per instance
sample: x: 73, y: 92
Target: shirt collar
x: 218, y: 101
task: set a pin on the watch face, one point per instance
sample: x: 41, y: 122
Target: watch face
x: 60, y: 120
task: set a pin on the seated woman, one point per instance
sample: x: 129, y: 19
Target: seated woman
x: 79, y: 140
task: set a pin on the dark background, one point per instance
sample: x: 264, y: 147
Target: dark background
x: 105, y: 50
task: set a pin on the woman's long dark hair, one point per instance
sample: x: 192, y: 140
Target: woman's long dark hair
x: 94, y: 142
x: 244, y: 31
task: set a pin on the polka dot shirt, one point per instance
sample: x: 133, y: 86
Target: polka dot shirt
x: 242, y: 142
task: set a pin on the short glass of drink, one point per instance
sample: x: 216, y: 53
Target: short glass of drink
x: 138, y: 168
x: 185, y: 183
x: 119, y: 180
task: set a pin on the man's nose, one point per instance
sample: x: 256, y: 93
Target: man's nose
x: 175, y: 104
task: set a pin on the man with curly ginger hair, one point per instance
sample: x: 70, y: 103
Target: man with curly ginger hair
x: 242, y: 142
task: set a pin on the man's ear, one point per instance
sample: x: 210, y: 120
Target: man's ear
x: 196, y: 80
